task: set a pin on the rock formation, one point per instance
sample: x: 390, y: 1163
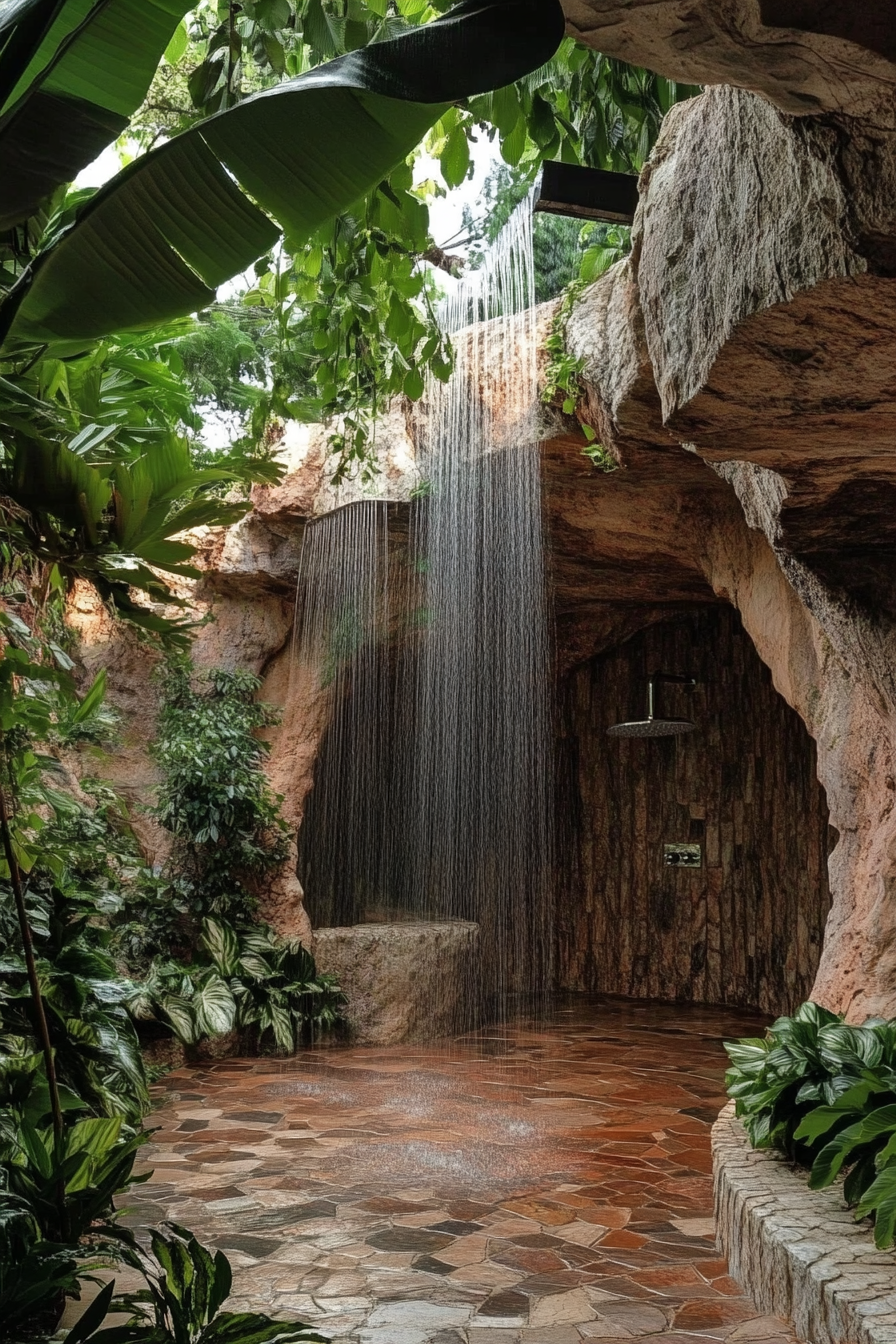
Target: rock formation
x: 751, y: 337
x: 740, y: 368
x: 804, y: 57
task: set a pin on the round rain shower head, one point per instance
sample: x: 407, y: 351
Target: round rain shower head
x: 652, y: 728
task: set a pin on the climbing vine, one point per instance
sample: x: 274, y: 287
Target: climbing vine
x: 563, y: 378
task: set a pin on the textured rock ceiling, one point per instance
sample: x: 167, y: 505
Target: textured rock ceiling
x: 804, y: 57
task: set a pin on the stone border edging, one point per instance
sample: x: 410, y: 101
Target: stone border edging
x: 797, y: 1251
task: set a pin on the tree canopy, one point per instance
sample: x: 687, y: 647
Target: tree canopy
x: 274, y: 141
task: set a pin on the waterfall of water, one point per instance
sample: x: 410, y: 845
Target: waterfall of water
x: 483, y: 759
x: 433, y: 793
x: 342, y: 617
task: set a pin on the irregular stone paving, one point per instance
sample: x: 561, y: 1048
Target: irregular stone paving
x: 541, y: 1184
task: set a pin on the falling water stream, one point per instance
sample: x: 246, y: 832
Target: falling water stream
x: 432, y: 798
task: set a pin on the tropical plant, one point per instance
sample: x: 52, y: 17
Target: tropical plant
x: 563, y: 387
x: 248, y: 980
x: 60, y: 995
x: 156, y: 241
x: 186, y: 1287
x: 95, y: 1049
x: 56, y: 1193
x: 814, y: 1057
x: 775, y: 1080
x: 36, y: 1276
x: 70, y: 77
x: 90, y: 1167
x: 214, y: 798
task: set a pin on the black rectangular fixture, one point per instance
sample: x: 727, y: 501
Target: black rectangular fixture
x: 588, y: 193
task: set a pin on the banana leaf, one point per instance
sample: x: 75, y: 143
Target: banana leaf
x: 158, y: 239
x: 72, y: 72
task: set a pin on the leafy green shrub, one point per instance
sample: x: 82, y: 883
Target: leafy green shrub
x: 96, y: 847
x: 216, y: 802
x: 36, y: 1276
x: 95, y: 1046
x: 57, y: 1191
x: 249, y: 981
x: 824, y: 1093
x: 88, y: 720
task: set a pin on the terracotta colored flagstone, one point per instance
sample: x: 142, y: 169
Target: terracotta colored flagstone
x: 542, y: 1184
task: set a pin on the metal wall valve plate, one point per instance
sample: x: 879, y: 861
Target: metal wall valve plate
x: 682, y: 856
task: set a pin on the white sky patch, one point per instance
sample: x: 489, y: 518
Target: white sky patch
x: 97, y: 174
x: 446, y: 212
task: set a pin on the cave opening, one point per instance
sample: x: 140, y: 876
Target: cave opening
x: 739, y: 798
x: 743, y: 927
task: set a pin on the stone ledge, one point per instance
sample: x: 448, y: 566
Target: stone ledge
x: 403, y: 982
x: 799, y: 1252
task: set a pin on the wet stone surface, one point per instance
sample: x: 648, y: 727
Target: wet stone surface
x: 541, y: 1184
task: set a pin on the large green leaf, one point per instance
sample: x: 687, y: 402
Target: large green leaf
x: 47, y: 476
x: 71, y: 75
x: 880, y: 1199
x: 250, y: 1328
x: 178, y: 1013
x: 220, y: 941
x: 156, y: 241
x: 214, y: 1006
x: 880, y: 1123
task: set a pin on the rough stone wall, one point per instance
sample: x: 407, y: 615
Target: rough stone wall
x: 745, y: 928
x: 750, y: 338
x: 244, y: 606
x: 804, y: 56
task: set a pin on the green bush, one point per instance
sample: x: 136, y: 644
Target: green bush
x: 181, y: 1304
x: 96, y: 1051
x: 249, y: 981
x: 824, y: 1093
x: 217, y: 804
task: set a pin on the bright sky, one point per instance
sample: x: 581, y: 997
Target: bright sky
x: 445, y: 213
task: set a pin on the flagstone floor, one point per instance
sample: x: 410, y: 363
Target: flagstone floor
x: 541, y: 1184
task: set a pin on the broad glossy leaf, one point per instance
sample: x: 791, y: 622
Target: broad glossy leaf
x: 70, y: 79
x: 221, y: 1283
x: 830, y: 1160
x: 156, y: 241
x: 214, y: 1006
x: 179, y: 1014
x: 841, y: 1044
x: 93, y: 1317
x: 93, y: 1137
x: 880, y: 1199
x: 220, y: 941
x: 33, y: 1145
x: 281, y: 1022
x: 50, y: 477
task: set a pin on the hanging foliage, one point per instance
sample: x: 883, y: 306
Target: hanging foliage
x: 179, y: 221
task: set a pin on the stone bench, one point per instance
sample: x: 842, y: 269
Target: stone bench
x: 404, y: 982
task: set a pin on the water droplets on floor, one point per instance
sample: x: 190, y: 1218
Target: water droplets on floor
x: 556, y: 1193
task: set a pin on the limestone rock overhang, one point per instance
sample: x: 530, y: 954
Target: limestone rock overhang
x: 805, y: 57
